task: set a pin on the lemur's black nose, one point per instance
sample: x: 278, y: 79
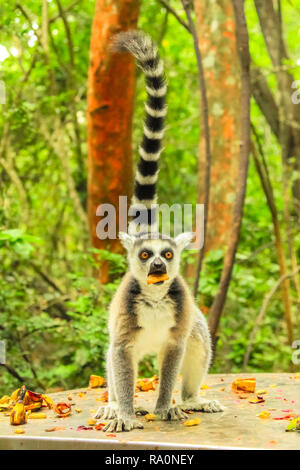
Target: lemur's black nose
x: 157, y: 266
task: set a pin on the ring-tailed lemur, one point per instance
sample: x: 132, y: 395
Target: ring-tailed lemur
x: 160, y: 318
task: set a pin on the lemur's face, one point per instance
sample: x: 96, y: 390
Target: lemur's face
x: 154, y: 261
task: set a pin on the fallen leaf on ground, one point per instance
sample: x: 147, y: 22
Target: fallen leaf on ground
x: 84, y: 428
x: 78, y: 410
x: 261, y: 392
x: 246, y: 385
x: 192, y: 422
x: 111, y: 435
x: 96, y: 381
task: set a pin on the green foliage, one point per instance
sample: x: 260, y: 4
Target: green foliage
x: 53, y: 338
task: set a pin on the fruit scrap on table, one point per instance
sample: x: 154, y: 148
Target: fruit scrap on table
x: 100, y: 426
x: 205, y: 387
x: 92, y: 422
x: 289, y: 416
x: 96, y: 381
x: 264, y: 415
x: 294, y: 425
x: 19, y: 431
x: 37, y: 416
x: 18, y: 414
x: 103, y: 397
x: 147, y: 384
x: 257, y: 400
x: 245, y: 385
x: 56, y: 428
x: 32, y: 400
x: 62, y: 410
x: 150, y: 416
x: 192, y: 422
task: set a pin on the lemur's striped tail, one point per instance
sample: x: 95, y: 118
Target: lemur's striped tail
x: 146, y: 54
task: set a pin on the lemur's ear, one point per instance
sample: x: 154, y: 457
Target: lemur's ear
x: 126, y: 240
x: 184, y: 239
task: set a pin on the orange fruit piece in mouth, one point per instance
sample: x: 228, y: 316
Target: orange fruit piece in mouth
x: 155, y: 278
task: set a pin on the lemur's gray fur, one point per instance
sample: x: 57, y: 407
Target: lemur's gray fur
x: 160, y: 318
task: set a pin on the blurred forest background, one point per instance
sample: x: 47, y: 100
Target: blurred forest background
x: 53, y: 309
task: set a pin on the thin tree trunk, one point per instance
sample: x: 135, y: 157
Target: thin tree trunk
x: 205, y: 118
x: 267, y: 187
x: 110, y: 109
x: 243, y: 50
x: 217, y: 42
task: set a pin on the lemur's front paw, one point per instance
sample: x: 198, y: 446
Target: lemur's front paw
x: 123, y: 424
x: 107, y: 412
x: 203, y: 404
x: 170, y: 414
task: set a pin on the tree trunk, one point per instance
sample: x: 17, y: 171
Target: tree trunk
x: 217, y: 41
x: 110, y: 109
x: 241, y: 181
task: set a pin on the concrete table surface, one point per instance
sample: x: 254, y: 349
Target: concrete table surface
x: 238, y: 427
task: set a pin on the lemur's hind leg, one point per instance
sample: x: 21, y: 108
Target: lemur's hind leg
x: 195, y: 366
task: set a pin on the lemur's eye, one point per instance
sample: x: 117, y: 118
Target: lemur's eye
x: 144, y: 255
x: 168, y: 254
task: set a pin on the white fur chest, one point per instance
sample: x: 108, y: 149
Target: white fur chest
x: 155, y: 320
